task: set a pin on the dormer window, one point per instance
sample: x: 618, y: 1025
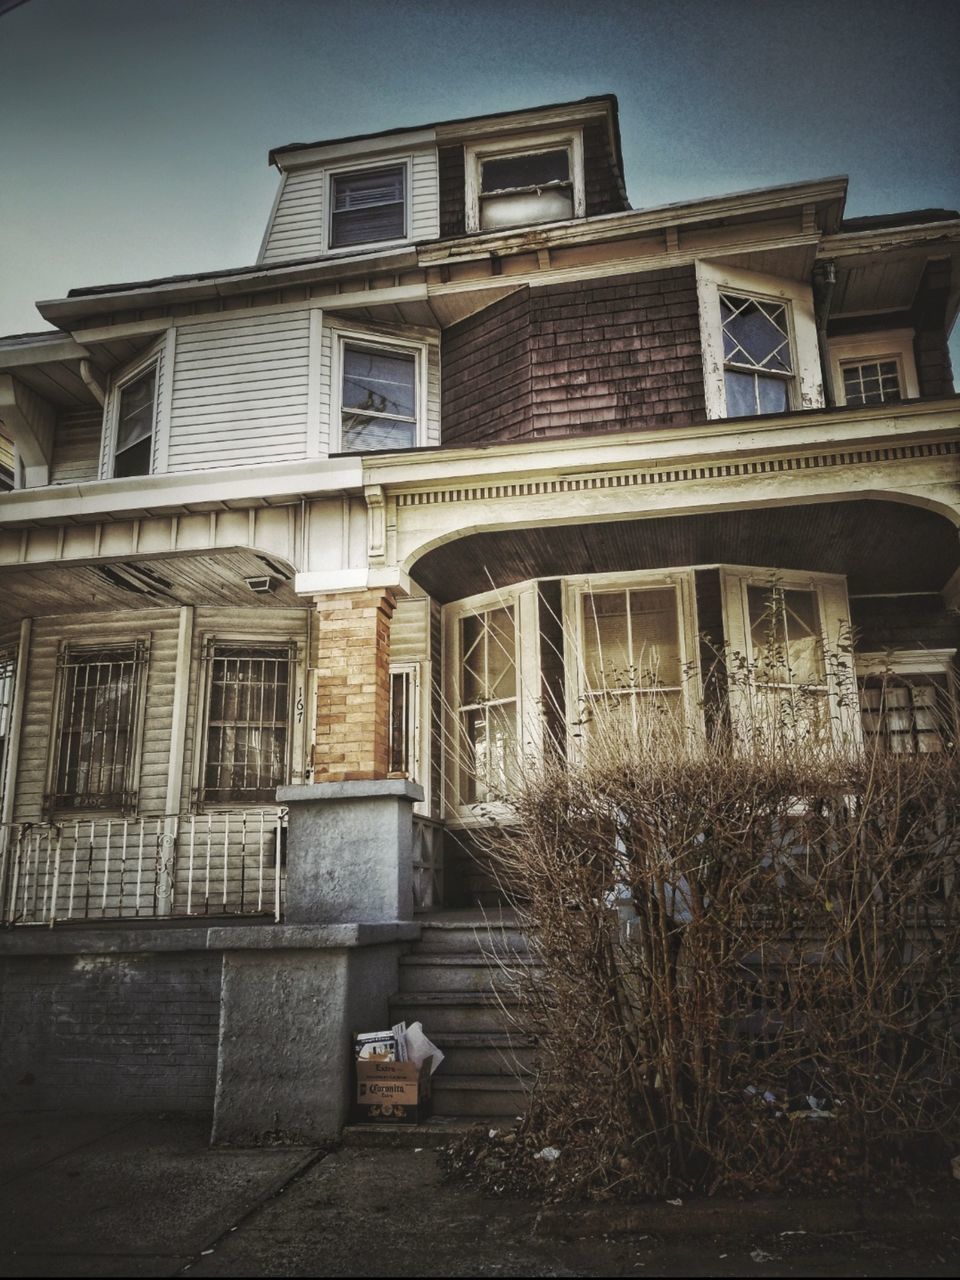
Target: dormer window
x: 525, y: 182
x: 874, y: 368
x: 367, y: 206
x: 757, y: 363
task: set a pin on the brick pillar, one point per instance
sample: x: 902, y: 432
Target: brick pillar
x: 353, y: 685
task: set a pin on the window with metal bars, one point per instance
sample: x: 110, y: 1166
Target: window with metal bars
x: 99, y: 707
x: 247, y: 734
x: 367, y: 207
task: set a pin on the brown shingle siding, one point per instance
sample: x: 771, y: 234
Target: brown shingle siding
x: 602, y: 190
x: 452, y: 191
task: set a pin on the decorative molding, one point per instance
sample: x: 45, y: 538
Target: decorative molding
x: 777, y: 465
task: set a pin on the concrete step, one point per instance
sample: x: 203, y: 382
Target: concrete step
x: 465, y: 936
x: 432, y: 1133
x: 488, y: 1096
x: 443, y: 1011
x: 459, y: 971
x: 487, y: 1053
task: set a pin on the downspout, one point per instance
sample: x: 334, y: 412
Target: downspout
x: 86, y: 373
x: 824, y: 283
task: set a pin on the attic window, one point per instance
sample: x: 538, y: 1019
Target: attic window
x: 522, y: 189
x: 367, y: 207
x: 871, y: 382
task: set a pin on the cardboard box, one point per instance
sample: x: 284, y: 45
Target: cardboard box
x: 392, y: 1092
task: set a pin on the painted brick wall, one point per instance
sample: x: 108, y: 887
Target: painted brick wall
x: 109, y: 1032
x: 599, y: 355
x: 353, y: 686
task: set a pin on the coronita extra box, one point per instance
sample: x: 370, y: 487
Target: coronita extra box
x: 392, y: 1092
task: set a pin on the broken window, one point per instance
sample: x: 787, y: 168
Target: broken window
x: 99, y: 710
x: 519, y: 190
x: 367, y: 207
x: 247, y: 722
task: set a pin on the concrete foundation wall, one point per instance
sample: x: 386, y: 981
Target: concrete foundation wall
x: 109, y: 1032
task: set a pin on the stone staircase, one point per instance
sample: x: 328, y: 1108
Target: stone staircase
x: 456, y: 981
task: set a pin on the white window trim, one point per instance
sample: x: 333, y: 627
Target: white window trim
x: 714, y: 277
x: 296, y: 712
x: 884, y: 344
x: 524, y: 600
x: 522, y: 144
x: 160, y: 356
x: 836, y: 634
x: 415, y: 712
x: 343, y: 336
x: 359, y: 166
x: 576, y: 589
x: 915, y: 662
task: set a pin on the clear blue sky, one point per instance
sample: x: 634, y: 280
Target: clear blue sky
x: 135, y: 133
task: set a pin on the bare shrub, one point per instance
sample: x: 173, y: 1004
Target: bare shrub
x: 749, y: 948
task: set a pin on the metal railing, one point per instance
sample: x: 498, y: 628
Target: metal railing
x: 225, y: 862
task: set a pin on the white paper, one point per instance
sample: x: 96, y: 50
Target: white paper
x: 419, y: 1048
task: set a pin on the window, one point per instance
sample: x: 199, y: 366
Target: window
x: 788, y: 636
x: 379, y: 398
x: 404, y: 721
x: 513, y: 183
x: 907, y: 701
x: 136, y: 416
x: 757, y: 363
x: 99, y: 709
x: 247, y: 726
x: 367, y: 206
x: 759, y: 341
x: 487, y: 704
x: 874, y: 368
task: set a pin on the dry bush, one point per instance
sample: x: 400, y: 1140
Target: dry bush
x: 749, y: 950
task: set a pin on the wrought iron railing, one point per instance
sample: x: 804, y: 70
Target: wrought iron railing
x: 224, y: 862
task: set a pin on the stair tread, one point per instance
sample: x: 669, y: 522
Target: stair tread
x: 453, y: 998
x: 477, y: 1084
x: 450, y: 959
x: 484, y: 1039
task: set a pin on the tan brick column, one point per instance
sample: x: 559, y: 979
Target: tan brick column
x: 353, y: 685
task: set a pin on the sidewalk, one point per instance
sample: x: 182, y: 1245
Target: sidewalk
x: 145, y: 1196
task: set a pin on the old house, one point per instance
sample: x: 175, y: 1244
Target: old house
x: 360, y: 521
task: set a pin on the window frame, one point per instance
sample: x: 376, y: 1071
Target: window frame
x: 342, y: 337
x: 295, y: 712
x: 475, y: 153
x: 522, y: 597
x: 883, y: 344
x: 833, y: 608
x: 129, y: 805
x: 805, y: 385
x: 577, y: 588
x: 938, y: 663
x: 160, y: 356
x: 332, y: 172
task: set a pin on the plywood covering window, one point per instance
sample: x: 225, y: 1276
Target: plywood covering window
x: 367, y: 206
x: 247, y: 722
x: 98, y: 720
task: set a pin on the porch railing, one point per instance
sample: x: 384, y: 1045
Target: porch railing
x: 210, y: 864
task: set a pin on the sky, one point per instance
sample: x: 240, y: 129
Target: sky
x: 134, y: 133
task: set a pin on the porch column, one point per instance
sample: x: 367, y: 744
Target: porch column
x: 353, y: 685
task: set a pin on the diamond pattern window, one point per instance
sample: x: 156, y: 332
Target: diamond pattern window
x: 757, y: 358
x: 367, y: 207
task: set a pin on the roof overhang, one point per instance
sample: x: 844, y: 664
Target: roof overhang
x: 880, y: 270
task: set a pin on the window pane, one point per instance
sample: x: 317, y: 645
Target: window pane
x: 135, y: 417
x: 772, y: 395
x: 136, y: 460
x: 785, y: 635
x: 755, y: 333
x: 525, y: 171
x: 656, y: 636
x: 741, y: 391
x: 552, y: 204
x: 367, y: 207
x: 374, y: 435
x: 606, y: 641
x: 97, y: 722
x: 379, y: 382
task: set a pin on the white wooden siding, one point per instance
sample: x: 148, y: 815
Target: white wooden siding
x: 160, y: 627
x: 240, y: 391
x: 297, y: 228
x: 410, y: 631
x: 76, y: 447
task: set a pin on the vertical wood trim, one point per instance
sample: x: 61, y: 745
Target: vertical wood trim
x: 178, y: 720
x: 16, y: 721
x: 281, y: 186
x: 165, y: 400
x: 315, y: 387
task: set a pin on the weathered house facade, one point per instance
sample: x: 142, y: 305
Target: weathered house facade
x: 360, y: 521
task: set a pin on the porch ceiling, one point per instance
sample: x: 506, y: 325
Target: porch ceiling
x: 882, y: 547
x: 215, y: 578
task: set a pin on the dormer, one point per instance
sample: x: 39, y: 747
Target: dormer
x: 485, y: 174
